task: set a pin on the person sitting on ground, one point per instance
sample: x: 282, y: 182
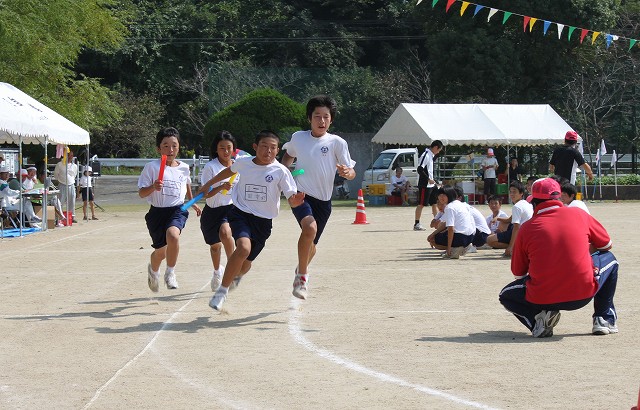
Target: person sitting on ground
x: 401, y: 186
x: 520, y: 213
x: 568, y: 197
x: 561, y: 261
x: 495, y: 203
x: 460, y: 228
x: 86, y: 189
x: 482, y: 229
x: 11, y: 199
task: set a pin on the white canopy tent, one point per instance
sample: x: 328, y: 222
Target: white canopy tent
x: 473, y: 124
x: 23, y: 119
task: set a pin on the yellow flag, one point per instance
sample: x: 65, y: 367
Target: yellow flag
x: 595, y: 35
x: 532, y: 22
x: 465, y: 4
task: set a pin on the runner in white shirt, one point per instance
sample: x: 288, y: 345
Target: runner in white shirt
x: 320, y: 154
x: 256, y: 201
x: 165, y: 220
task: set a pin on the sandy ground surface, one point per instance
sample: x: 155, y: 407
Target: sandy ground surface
x: 388, y: 324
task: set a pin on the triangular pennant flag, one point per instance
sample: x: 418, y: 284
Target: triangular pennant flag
x: 449, y: 3
x: 546, y: 27
x: 465, y: 4
x: 603, y: 148
x: 571, y: 29
x: 583, y: 34
x: 478, y: 8
x: 631, y: 43
x: 614, y: 158
x: 419, y: 1
x: 491, y: 13
x: 531, y: 23
x: 506, y: 16
x: 595, y: 35
x: 560, y: 28
x: 608, y: 39
x: 526, y: 22
x: 433, y: 4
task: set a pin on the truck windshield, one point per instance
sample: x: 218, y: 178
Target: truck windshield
x: 383, y: 161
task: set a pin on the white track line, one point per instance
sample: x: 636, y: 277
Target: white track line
x: 143, y: 351
x: 298, y: 335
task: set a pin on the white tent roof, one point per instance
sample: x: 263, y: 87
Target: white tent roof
x: 473, y: 124
x: 21, y: 115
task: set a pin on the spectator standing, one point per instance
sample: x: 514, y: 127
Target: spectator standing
x: 66, y: 173
x: 489, y: 166
x: 564, y: 159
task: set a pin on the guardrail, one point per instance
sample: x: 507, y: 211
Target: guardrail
x: 195, y: 163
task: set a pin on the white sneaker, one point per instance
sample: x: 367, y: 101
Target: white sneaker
x: 35, y: 218
x: 216, y: 280
x: 419, y: 227
x: 545, y: 322
x: 455, y: 253
x: 153, y: 279
x: 601, y: 326
x: 235, y: 283
x: 471, y: 249
x: 300, y: 286
x: 170, y: 280
x: 217, y: 300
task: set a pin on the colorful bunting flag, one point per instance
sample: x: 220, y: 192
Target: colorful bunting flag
x: 449, y: 3
x: 526, y: 23
x: 571, y: 29
x: 595, y: 35
x: 491, y: 13
x: 583, y: 34
x: 546, y: 27
x: 478, y: 8
x: 434, y: 3
x: 507, y: 14
x: 531, y: 23
x: 560, y: 28
x: 465, y: 4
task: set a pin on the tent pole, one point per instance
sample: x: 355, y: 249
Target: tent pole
x: 45, y: 199
x: 20, y: 182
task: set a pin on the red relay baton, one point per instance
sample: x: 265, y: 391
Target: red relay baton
x: 163, y: 163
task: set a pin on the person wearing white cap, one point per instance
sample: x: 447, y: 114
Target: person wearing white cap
x: 489, y: 166
x: 86, y: 190
x: 32, y: 178
x: 10, y: 199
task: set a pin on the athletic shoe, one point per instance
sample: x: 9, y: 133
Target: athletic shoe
x: 217, y: 300
x: 419, y: 227
x: 470, y: 249
x: 153, y: 279
x: 35, y: 218
x: 455, y: 253
x: 545, y: 322
x: 601, y: 326
x: 300, y: 286
x: 170, y: 280
x: 235, y: 283
x: 216, y: 280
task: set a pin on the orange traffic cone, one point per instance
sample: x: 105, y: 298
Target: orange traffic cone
x: 361, y: 215
x: 637, y: 407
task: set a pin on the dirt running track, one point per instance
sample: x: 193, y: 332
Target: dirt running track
x: 389, y: 324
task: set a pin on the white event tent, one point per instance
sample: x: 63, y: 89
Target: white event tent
x: 473, y: 124
x: 24, y: 120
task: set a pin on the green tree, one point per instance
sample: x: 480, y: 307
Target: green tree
x: 258, y: 110
x: 40, y: 42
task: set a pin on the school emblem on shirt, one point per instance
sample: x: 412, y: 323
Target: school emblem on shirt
x: 268, y: 178
x: 324, y: 150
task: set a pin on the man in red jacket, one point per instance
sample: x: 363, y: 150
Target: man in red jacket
x: 561, y: 261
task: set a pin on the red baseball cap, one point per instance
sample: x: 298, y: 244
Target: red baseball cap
x: 571, y: 136
x: 545, y: 188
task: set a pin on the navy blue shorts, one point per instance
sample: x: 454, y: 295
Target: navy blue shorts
x: 459, y: 239
x: 245, y: 225
x: 86, y: 194
x: 210, y: 222
x: 427, y: 196
x: 160, y: 219
x: 319, y: 210
x: 480, y: 238
x: 505, y: 237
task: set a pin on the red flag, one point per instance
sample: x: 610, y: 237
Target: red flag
x: 583, y: 34
x: 526, y: 22
x: 449, y: 3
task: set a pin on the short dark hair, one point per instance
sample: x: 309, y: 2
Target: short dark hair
x: 266, y: 134
x: 166, y: 132
x: 322, y: 101
x: 569, y: 189
x: 559, y: 179
x: 459, y: 193
x: 436, y: 143
x: 223, y: 136
x: 449, y: 192
x: 495, y: 198
x: 517, y: 185
x: 532, y: 178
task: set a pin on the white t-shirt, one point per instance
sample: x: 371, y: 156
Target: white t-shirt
x: 85, y: 182
x: 258, y: 190
x: 478, y: 219
x: 490, y: 162
x: 28, y: 184
x: 210, y: 170
x: 319, y: 158
x: 398, y: 181
x: 521, y: 212
x: 457, y: 214
x: 493, y: 226
x: 175, y: 182
x: 579, y: 204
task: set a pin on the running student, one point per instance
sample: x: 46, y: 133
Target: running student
x: 165, y: 220
x: 213, y: 222
x: 256, y: 201
x: 320, y: 154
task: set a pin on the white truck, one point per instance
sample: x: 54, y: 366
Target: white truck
x: 383, y: 168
